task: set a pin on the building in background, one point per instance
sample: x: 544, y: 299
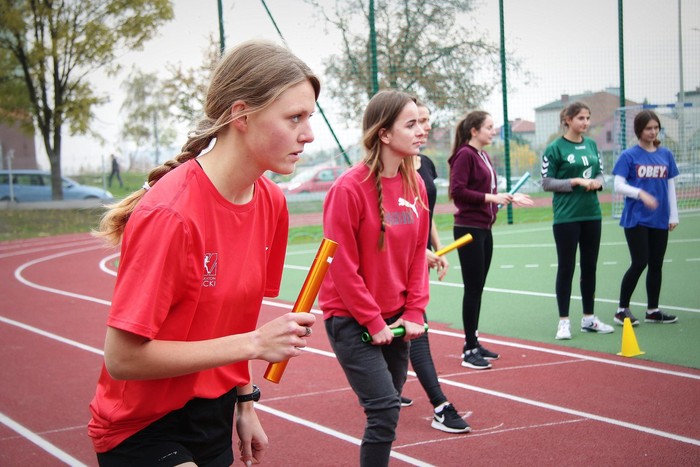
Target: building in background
x: 603, y: 105
x: 15, y: 139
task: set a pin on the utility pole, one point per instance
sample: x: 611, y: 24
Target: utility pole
x: 222, y: 41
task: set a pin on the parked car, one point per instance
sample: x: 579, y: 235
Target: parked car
x: 313, y: 179
x: 35, y: 185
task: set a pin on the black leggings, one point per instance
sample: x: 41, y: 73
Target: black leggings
x: 475, y: 261
x: 586, y: 236
x: 647, y: 248
x: 423, y: 365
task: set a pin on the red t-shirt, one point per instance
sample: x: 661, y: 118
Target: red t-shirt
x: 193, y: 267
x: 363, y: 282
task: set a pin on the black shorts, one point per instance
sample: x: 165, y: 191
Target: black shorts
x: 200, y: 432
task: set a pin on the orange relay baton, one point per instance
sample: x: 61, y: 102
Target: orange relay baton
x: 461, y: 241
x: 307, y: 296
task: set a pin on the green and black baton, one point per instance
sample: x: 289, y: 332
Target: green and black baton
x: 398, y: 331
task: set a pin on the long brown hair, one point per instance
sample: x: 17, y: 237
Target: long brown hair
x: 463, y: 133
x: 256, y: 72
x: 381, y: 113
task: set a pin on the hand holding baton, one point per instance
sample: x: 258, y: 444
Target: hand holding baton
x: 398, y: 331
x: 514, y: 189
x: 307, y: 296
x: 461, y: 241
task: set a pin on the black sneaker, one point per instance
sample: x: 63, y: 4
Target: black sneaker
x: 487, y: 354
x: 448, y: 420
x: 626, y: 313
x: 660, y: 317
x: 405, y: 401
x: 473, y: 359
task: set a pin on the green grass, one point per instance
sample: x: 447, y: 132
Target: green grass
x: 19, y: 223
x: 519, y: 300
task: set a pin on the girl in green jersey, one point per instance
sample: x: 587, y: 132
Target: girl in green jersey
x: 573, y: 170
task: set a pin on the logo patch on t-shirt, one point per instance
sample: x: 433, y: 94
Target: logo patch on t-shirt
x: 211, y: 265
x: 652, y: 171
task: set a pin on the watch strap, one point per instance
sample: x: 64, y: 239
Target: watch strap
x: 253, y: 396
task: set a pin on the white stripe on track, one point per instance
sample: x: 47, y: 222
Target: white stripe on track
x: 334, y: 433
x: 51, y: 335
x: 443, y: 381
x: 19, y: 270
x: 39, y: 441
x: 45, y: 248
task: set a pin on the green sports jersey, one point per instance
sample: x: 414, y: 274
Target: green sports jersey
x: 564, y: 159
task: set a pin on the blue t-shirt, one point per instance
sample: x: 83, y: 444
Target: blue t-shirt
x: 649, y: 171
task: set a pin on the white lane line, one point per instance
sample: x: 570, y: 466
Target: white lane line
x: 444, y: 381
x: 40, y: 442
x: 475, y: 433
x: 334, y: 433
x: 19, y: 270
x: 51, y: 335
x: 45, y: 248
x: 577, y: 413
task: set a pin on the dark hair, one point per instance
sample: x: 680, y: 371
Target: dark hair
x: 642, y: 119
x: 381, y: 113
x: 463, y: 133
x: 570, y: 111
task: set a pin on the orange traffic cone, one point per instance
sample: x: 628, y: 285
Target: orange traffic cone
x: 630, y: 348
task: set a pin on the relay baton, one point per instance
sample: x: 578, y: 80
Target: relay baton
x: 307, y: 296
x: 461, y: 241
x: 398, y: 331
x: 514, y: 189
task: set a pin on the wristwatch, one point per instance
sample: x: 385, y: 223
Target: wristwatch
x: 253, y: 396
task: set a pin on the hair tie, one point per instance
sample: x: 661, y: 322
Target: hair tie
x: 146, y: 186
x: 383, y: 228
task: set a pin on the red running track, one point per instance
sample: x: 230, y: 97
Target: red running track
x: 539, y: 405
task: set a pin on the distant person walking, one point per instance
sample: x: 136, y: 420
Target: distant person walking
x: 115, y: 172
x: 644, y: 175
x: 573, y: 169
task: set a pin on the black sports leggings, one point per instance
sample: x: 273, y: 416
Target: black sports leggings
x: 586, y: 236
x: 475, y: 261
x: 647, y: 248
x: 423, y: 365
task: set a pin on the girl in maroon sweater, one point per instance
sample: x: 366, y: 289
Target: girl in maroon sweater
x: 473, y: 190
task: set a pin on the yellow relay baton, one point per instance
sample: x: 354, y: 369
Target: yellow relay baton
x: 461, y: 241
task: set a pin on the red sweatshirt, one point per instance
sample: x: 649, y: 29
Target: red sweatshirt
x: 363, y: 282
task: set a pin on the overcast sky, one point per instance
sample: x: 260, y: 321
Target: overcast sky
x: 569, y: 47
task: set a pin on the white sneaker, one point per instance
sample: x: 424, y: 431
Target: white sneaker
x: 595, y: 325
x: 564, y: 330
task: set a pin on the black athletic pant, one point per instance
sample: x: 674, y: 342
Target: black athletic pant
x: 422, y: 363
x: 568, y: 236
x: 475, y: 261
x: 647, y: 248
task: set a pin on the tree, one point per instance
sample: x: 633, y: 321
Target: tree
x: 421, y: 49
x: 154, y: 106
x: 148, y: 116
x: 186, y: 88
x: 55, y: 45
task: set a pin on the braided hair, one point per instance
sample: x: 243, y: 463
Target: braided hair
x: 256, y: 72
x: 381, y: 113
